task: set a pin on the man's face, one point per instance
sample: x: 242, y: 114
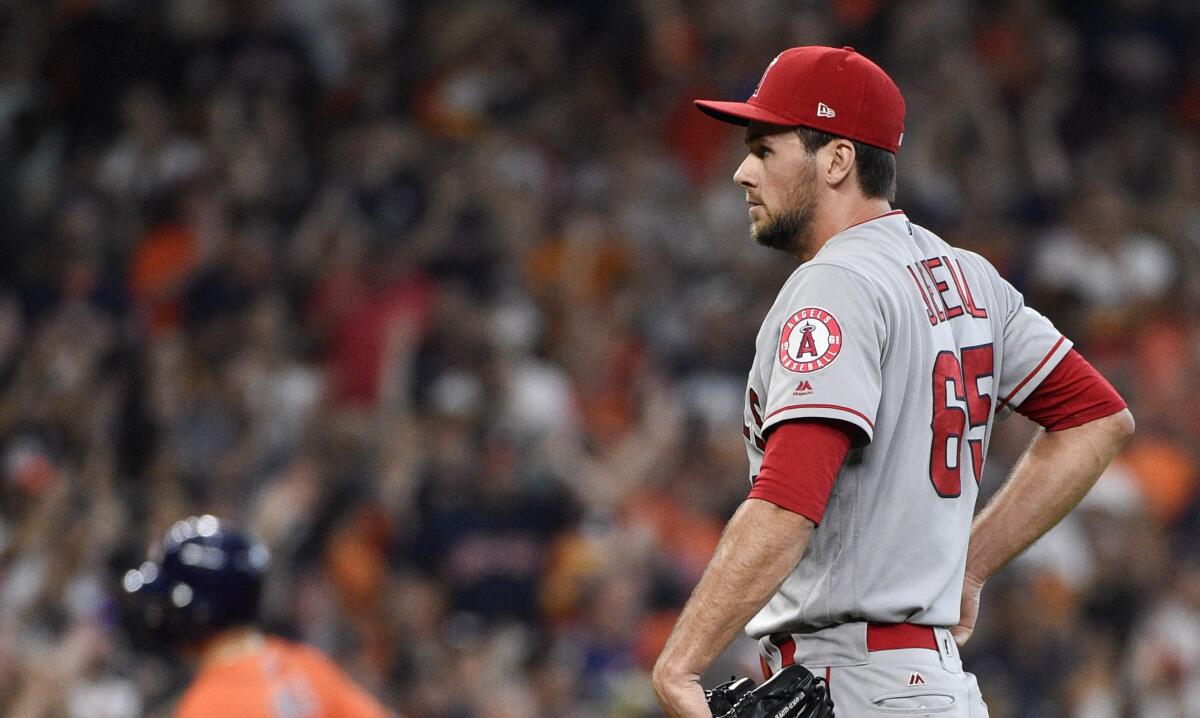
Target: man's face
x: 779, y: 177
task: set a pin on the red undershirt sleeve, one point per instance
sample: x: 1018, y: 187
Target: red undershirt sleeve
x: 1071, y: 395
x: 803, y: 457
x: 802, y: 460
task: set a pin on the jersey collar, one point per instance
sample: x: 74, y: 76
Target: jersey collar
x: 839, y: 235
x: 885, y: 214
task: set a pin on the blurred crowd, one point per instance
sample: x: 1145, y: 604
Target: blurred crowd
x: 452, y: 303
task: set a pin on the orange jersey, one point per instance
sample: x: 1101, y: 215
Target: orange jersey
x: 282, y: 680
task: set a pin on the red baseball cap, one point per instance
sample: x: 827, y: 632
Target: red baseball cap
x: 835, y: 91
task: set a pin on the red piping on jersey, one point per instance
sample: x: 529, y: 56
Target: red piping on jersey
x: 1036, y: 369
x: 885, y: 214
x: 846, y: 409
x: 1073, y: 393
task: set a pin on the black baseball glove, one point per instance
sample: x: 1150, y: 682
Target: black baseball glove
x: 790, y: 693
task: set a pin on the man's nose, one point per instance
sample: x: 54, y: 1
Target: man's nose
x: 743, y: 176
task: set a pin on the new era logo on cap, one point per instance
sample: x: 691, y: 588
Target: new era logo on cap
x: 824, y: 110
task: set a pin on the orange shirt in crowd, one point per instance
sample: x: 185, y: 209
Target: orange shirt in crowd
x: 280, y: 680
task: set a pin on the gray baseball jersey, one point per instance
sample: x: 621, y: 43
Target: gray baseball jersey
x: 918, y: 345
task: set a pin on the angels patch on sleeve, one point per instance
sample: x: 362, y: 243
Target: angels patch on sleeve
x: 820, y: 352
x: 810, y: 340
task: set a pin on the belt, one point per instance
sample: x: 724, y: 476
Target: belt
x: 880, y: 637
x: 890, y: 636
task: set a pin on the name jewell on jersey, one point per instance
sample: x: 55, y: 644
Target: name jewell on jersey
x: 936, y: 305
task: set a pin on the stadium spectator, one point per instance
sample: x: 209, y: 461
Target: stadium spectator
x: 446, y: 302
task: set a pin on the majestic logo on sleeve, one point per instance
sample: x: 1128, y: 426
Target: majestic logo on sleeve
x: 811, y: 340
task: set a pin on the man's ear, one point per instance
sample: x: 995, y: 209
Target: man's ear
x: 839, y: 162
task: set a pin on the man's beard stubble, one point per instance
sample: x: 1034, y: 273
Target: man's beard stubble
x: 789, y: 232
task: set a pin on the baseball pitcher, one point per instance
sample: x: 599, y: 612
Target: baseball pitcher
x: 878, y: 374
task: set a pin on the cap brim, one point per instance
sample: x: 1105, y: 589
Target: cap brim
x: 740, y: 113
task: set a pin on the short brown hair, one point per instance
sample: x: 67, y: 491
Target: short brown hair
x: 876, y: 167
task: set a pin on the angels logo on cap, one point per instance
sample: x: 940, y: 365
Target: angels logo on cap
x: 764, y: 75
x: 811, y: 339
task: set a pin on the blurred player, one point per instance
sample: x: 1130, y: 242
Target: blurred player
x: 200, y: 591
x: 878, y: 374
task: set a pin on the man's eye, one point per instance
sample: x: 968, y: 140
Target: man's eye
x: 761, y: 152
